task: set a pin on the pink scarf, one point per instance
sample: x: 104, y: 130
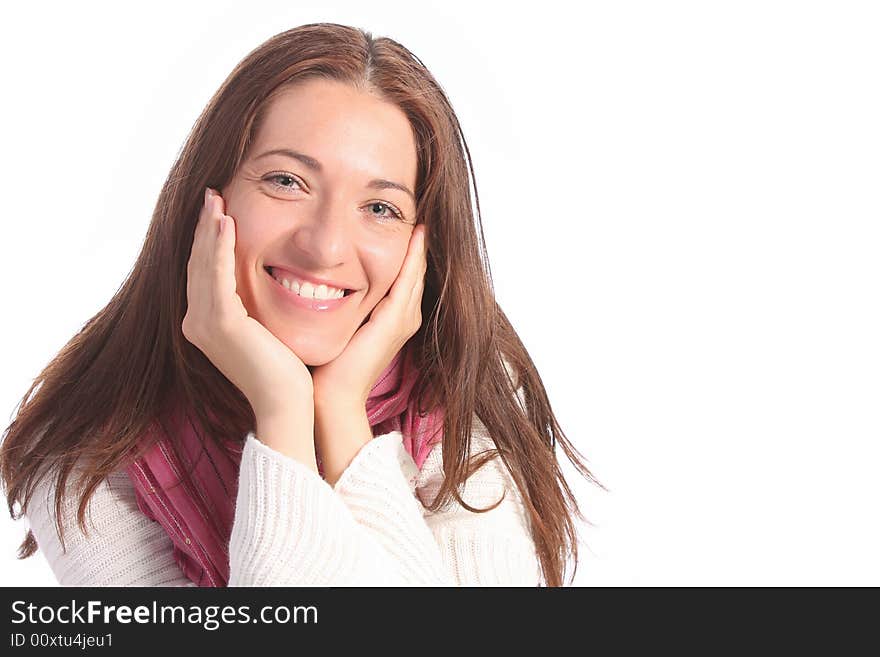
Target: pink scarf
x: 199, y: 521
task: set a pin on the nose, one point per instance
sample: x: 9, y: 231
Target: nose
x: 324, y: 237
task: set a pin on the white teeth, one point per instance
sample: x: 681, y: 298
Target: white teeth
x: 325, y: 292
x: 310, y: 291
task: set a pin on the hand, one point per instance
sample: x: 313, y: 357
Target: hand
x: 347, y: 380
x: 266, y: 371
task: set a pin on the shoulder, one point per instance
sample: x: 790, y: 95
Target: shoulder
x: 122, y: 546
x: 491, y: 480
x: 486, y: 486
x: 114, y: 496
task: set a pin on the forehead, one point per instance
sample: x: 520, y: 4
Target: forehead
x: 347, y: 130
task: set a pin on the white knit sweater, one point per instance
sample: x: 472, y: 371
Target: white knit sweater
x: 291, y: 528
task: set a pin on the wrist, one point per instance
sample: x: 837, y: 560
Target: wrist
x: 335, y: 403
x: 298, y: 403
x: 340, y: 433
x: 288, y: 433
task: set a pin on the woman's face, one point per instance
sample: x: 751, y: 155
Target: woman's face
x: 322, y: 215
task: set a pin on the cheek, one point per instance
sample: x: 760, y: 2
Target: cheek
x: 246, y: 250
x: 255, y: 228
x: 382, y: 263
x: 253, y: 232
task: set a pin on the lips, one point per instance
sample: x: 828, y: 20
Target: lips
x: 290, y: 298
x: 279, y: 273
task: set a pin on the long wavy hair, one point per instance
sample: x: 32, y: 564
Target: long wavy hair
x: 130, y: 364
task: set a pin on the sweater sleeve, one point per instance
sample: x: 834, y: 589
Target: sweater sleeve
x: 291, y: 528
x: 122, y: 547
x: 452, y: 545
x: 371, y: 528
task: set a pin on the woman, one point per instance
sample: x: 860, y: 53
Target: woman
x: 262, y: 403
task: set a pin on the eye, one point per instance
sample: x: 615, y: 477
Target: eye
x: 285, y: 182
x: 395, y: 213
x: 273, y: 177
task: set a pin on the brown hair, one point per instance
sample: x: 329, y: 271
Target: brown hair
x: 130, y: 363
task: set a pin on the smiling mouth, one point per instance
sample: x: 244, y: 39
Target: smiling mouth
x: 295, y: 286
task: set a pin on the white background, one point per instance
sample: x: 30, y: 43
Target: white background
x: 680, y: 203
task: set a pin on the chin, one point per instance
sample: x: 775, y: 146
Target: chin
x: 315, y: 354
x: 317, y: 361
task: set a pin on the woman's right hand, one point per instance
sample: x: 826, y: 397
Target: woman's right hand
x: 274, y: 380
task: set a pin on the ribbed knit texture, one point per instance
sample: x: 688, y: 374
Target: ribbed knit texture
x: 292, y: 528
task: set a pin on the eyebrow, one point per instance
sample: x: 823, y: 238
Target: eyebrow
x: 312, y: 163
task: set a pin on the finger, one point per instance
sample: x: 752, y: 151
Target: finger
x: 204, y: 237
x: 418, y: 291
x: 204, y: 215
x: 415, y: 253
x: 414, y: 308
x: 225, y: 255
x: 412, y: 263
x: 198, y: 258
x: 423, y: 251
x: 421, y: 266
x: 202, y: 290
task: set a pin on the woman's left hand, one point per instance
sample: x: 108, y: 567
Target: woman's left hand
x: 346, y: 381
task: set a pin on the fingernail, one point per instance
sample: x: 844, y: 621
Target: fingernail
x: 207, y: 194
